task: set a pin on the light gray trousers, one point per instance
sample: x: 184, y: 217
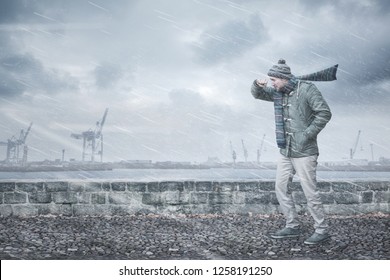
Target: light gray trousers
x: 305, y: 168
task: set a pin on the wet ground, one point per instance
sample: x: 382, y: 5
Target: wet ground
x: 194, y: 237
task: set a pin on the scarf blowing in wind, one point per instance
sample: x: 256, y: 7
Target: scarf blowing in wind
x: 282, y: 71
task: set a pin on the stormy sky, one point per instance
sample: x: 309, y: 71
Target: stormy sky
x: 176, y: 75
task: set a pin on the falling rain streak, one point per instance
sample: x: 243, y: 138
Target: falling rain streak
x: 177, y: 77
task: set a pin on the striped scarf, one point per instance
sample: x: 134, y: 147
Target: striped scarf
x: 328, y: 74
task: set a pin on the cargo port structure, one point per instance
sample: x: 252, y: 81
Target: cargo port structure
x: 92, y: 140
x: 353, y: 150
x: 15, y: 146
x: 244, y: 150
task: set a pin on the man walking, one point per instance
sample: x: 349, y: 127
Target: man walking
x: 300, y: 114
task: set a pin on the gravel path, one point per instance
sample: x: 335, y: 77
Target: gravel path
x: 188, y: 237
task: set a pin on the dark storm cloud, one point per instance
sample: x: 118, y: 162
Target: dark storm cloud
x: 29, y: 11
x: 57, y: 11
x: 361, y: 61
x: 10, y: 87
x: 364, y: 70
x: 12, y: 11
x: 354, y: 35
x: 372, y: 66
x: 230, y: 40
x: 107, y: 75
x: 186, y: 98
x: 22, y: 73
x: 347, y: 9
x: 356, y: 39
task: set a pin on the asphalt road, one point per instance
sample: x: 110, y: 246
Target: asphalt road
x: 189, y: 237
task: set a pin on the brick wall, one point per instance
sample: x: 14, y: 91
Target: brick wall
x: 123, y: 198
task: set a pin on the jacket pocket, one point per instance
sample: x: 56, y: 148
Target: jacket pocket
x: 300, y: 141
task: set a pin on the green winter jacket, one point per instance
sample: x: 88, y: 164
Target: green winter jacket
x: 305, y: 114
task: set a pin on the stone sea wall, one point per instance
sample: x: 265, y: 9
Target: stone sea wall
x: 82, y: 198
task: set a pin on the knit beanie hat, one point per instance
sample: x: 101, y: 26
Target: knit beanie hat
x: 280, y: 70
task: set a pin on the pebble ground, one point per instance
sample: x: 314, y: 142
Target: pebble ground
x: 189, y: 237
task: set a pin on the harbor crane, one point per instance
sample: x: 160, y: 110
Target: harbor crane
x: 93, y: 140
x: 245, y: 151
x: 260, y: 150
x: 353, y: 150
x: 15, y: 146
